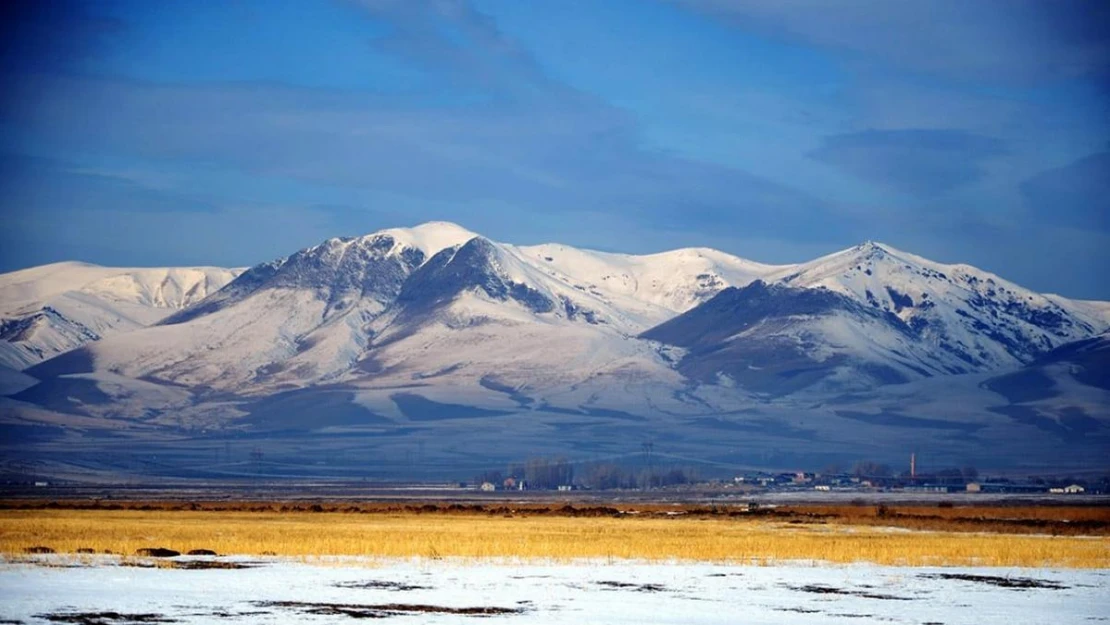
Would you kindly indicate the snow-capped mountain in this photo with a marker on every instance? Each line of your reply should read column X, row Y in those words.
column 649, row 289
column 440, row 301
column 1075, row 376
column 303, row 317
column 867, row 316
column 325, row 313
column 776, row 339
column 435, row 332
column 981, row 320
column 48, row 310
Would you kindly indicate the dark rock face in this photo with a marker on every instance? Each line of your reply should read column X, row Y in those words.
column 346, row 268
column 340, row 271
column 573, row 312
column 22, row 328
column 999, row 314
column 456, row 270
column 901, row 301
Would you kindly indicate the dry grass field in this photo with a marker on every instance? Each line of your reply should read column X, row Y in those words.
column 565, row 533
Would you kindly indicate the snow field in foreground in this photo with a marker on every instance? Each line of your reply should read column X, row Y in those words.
column 98, row 590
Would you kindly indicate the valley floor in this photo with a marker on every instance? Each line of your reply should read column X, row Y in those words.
column 110, row 590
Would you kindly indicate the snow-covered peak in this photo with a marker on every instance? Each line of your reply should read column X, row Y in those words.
column 43, row 282
column 982, row 319
column 157, row 287
column 430, row 238
column 863, row 257
column 871, row 270
column 655, row 286
column 51, row 309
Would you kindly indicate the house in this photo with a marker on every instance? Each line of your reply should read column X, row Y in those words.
column 487, row 487
column 926, row 488
column 822, row 487
column 1073, row 489
column 974, row 487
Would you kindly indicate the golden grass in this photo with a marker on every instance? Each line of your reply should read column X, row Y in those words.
column 559, row 538
column 1072, row 520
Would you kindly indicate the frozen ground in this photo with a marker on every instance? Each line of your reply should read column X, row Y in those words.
column 99, row 590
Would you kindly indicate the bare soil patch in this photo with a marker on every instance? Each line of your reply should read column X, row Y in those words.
column 832, row 590
column 376, row 584
column 610, row 585
column 157, row 552
column 385, row 610
column 104, row 618
column 1017, row 583
column 192, row 565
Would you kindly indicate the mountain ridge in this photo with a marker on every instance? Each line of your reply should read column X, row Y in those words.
column 48, row 310
column 441, row 335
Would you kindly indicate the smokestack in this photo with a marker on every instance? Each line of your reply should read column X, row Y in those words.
column 913, row 465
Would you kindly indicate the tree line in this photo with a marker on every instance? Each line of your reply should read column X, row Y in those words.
column 551, row 473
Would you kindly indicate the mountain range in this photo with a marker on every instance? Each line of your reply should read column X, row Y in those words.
column 436, row 351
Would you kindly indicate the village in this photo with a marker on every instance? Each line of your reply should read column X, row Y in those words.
column 865, row 477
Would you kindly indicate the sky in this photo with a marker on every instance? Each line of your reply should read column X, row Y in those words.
column 178, row 132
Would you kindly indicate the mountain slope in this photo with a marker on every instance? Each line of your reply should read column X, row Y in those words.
column 970, row 319
column 478, row 316
column 257, row 330
column 481, row 352
column 325, row 313
column 48, row 310
column 650, row 288
column 868, row 316
column 777, row 339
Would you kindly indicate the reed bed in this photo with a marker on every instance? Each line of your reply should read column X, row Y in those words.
column 391, row 535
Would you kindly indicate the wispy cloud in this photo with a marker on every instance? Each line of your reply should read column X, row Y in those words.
column 1014, row 41
column 497, row 129
column 44, row 185
column 772, row 129
column 1077, row 194
column 919, row 163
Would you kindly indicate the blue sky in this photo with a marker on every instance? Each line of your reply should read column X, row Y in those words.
column 184, row 132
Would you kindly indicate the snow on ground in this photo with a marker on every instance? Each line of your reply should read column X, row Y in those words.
column 439, row 591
